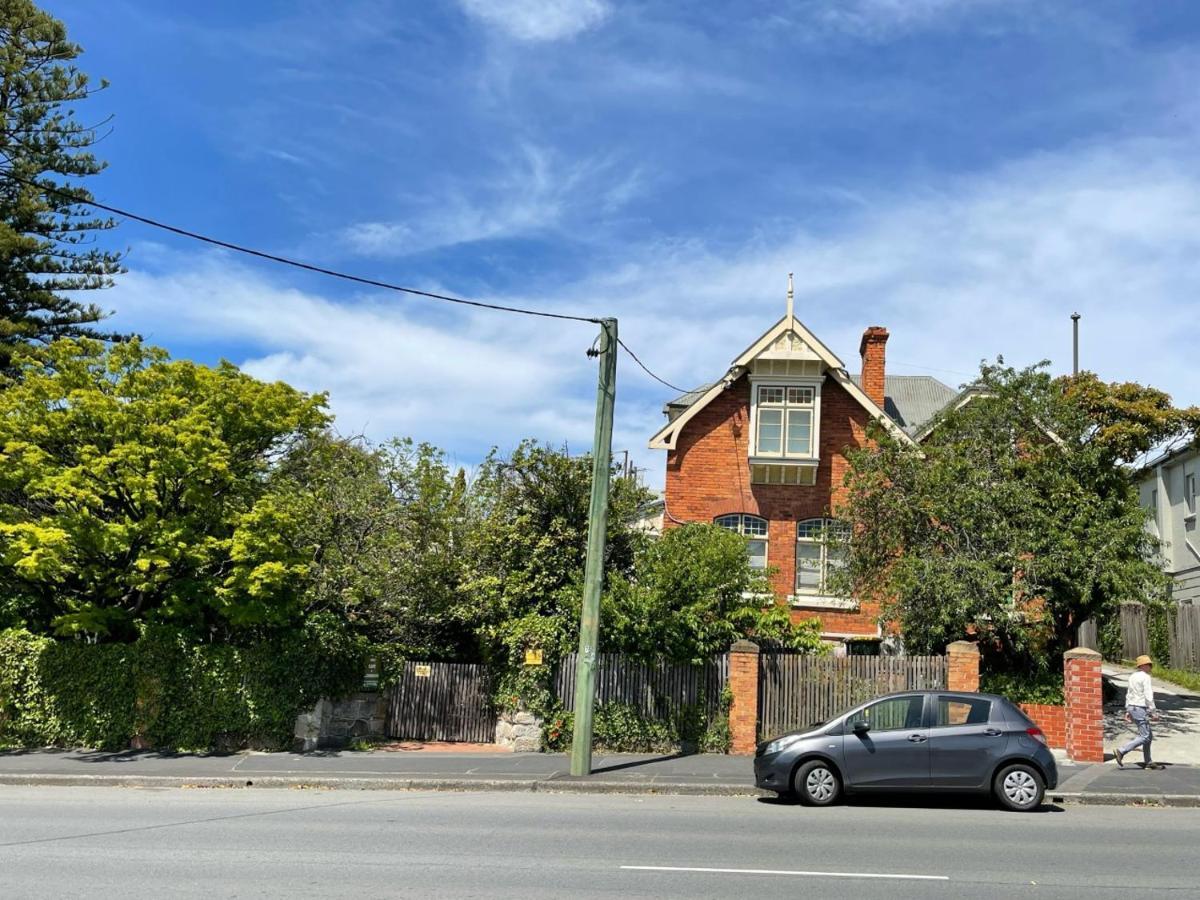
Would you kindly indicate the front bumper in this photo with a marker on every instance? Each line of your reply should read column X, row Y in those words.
column 771, row 774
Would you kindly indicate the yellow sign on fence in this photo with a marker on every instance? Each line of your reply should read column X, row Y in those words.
column 423, row 671
column 533, row 657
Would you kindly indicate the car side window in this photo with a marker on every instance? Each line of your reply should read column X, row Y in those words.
column 893, row 714
column 962, row 711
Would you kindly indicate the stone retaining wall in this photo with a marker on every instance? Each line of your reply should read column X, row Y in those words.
column 335, row 723
column 522, row 731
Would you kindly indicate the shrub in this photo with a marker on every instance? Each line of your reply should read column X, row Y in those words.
column 168, row 693
column 1041, row 687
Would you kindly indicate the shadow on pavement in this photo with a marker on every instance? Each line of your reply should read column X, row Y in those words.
column 914, row 801
column 640, row 762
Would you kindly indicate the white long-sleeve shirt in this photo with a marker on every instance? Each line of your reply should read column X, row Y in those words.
column 1140, row 691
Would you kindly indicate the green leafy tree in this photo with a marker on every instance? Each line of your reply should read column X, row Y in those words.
column 134, row 488
column 384, row 528
column 691, row 594
column 1015, row 520
column 47, row 240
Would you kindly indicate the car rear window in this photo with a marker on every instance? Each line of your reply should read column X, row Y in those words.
column 962, row 711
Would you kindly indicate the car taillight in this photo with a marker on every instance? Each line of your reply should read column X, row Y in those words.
column 1037, row 735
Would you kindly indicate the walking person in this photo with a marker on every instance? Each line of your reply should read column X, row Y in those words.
column 1140, row 709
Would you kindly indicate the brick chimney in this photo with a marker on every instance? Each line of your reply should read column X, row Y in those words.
column 874, row 340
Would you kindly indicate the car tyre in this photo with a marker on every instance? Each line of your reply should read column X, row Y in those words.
column 816, row 783
column 1020, row 788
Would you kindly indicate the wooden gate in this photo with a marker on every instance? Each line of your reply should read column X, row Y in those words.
column 799, row 690
column 441, row 702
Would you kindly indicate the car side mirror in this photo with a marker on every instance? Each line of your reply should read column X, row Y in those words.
column 861, row 726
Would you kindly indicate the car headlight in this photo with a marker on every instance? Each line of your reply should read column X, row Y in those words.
column 780, row 744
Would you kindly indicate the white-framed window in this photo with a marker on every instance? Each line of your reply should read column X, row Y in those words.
column 785, row 421
column 1154, row 505
column 1189, row 492
column 819, row 553
column 754, row 529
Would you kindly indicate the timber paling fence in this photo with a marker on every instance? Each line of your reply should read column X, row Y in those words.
column 659, row 690
column 441, row 702
column 1183, row 634
column 798, row 690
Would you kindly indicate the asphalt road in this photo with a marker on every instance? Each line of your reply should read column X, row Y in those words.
column 109, row 842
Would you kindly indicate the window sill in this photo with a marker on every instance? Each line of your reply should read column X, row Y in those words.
column 816, row 601
column 811, row 462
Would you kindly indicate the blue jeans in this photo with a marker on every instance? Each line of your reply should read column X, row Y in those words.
column 1141, row 718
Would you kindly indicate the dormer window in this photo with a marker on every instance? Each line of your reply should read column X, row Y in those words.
column 785, row 418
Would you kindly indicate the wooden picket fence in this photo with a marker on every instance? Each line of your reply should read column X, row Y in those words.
column 1088, row 635
column 799, row 690
column 657, row 690
column 441, row 702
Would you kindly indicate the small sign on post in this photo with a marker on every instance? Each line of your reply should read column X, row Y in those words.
column 422, row 670
column 533, row 657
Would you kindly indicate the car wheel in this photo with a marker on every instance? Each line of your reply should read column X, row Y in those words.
column 1020, row 788
column 816, row 783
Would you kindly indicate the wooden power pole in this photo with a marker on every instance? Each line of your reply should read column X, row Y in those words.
column 593, row 574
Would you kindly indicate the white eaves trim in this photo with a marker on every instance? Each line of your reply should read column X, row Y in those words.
column 666, row 437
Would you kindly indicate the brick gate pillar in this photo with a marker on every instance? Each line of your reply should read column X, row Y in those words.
column 962, row 666
column 1085, row 705
column 743, row 684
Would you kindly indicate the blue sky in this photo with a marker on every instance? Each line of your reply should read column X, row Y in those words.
column 964, row 172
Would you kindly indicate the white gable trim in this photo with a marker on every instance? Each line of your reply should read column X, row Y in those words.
column 668, row 435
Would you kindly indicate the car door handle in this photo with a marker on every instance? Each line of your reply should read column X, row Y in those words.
column 917, row 738
column 994, row 732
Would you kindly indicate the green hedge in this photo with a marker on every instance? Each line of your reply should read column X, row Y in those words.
column 1026, row 687
column 167, row 693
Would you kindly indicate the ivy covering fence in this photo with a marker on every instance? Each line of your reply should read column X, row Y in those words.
column 164, row 692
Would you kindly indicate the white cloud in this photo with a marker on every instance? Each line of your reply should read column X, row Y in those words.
column 876, row 19
column 538, row 20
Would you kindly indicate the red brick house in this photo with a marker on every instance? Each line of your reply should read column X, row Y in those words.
column 762, row 451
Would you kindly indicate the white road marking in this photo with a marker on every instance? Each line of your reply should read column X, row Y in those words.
column 789, row 872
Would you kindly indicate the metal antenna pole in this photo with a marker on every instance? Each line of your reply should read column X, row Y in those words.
column 1075, row 341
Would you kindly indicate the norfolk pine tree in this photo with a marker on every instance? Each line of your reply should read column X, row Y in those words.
column 47, row 241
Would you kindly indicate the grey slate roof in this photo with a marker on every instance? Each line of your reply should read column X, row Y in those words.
column 910, row 400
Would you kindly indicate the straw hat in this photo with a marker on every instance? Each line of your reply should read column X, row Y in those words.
column 1143, row 660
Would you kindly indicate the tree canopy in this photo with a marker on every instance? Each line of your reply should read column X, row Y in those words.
column 1016, row 519
column 134, row 488
column 47, row 239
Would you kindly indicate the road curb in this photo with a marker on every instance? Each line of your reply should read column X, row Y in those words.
column 547, row 786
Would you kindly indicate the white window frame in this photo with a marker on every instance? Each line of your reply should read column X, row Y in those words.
column 782, row 383
column 1189, row 493
column 820, row 596
column 726, row 522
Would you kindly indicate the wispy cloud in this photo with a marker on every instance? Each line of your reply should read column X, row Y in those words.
column 534, row 191
column 538, row 20
column 875, row 19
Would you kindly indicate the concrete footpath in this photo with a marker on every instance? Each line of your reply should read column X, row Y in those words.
column 479, row 770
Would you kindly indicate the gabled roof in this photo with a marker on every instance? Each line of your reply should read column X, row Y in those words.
column 681, row 410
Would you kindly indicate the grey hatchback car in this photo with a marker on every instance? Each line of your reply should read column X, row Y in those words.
column 914, row 741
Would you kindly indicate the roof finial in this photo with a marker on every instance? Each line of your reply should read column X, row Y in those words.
column 791, row 299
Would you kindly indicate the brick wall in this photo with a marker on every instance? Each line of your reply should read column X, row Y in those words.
column 1051, row 718
column 708, row 475
column 743, row 684
column 871, row 349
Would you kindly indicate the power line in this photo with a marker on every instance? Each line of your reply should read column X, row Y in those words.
column 295, row 263
column 332, row 273
column 634, row 357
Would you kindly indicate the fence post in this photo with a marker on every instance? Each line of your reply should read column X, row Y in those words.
column 962, row 666
column 743, row 684
column 1085, row 706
